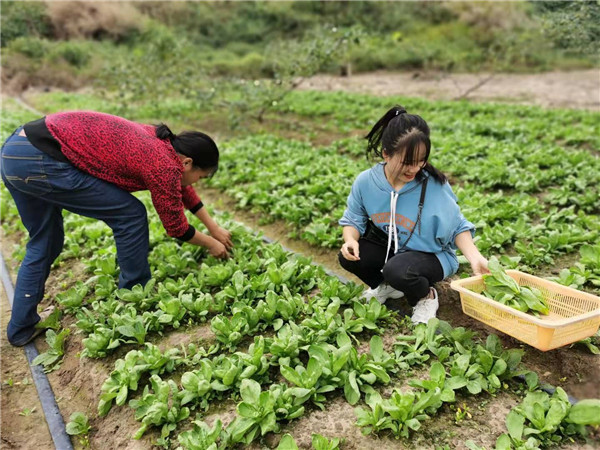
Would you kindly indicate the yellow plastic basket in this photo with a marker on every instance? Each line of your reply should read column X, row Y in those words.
column 574, row 315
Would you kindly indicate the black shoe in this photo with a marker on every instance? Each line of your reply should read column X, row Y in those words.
column 37, row 330
column 36, row 333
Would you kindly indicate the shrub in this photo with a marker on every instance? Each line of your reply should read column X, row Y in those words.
column 30, row 46
column 76, row 53
column 24, row 19
column 251, row 65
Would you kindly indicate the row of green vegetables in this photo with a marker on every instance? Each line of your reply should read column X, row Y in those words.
column 528, row 125
column 462, row 365
column 260, row 289
column 342, row 112
column 528, row 149
column 566, row 176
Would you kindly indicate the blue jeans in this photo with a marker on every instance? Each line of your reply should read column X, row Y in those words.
column 42, row 187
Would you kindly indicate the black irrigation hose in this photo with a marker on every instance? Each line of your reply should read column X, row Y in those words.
column 548, row 389
column 56, row 425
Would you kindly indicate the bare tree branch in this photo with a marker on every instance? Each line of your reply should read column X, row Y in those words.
column 475, row 87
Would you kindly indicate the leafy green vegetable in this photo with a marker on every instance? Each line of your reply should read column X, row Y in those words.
column 504, row 289
column 201, row 436
column 52, row 359
column 78, row 424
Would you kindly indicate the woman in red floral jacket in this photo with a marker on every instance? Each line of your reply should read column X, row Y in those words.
column 88, row 163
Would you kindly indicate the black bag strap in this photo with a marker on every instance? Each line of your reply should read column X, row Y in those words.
column 418, row 221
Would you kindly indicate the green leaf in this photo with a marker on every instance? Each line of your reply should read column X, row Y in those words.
column 231, row 375
column 503, row 442
column 585, row 412
column 78, row 424
column 381, row 373
column 351, row 389
column 291, row 375
column 456, row 383
column 474, row 386
column 437, row 372
column 104, row 406
column 531, row 379
column 52, row 321
column 413, row 424
column 287, row 442
column 245, row 409
column 515, row 423
column 121, row 396
column 313, row 371
column 555, row 415
column 500, row 367
column 376, row 345
column 250, row 391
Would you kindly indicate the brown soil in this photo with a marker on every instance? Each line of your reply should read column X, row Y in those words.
column 575, row 89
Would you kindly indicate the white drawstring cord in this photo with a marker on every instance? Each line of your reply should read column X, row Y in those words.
column 392, row 231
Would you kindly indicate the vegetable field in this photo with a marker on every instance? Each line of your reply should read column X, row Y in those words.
column 268, row 349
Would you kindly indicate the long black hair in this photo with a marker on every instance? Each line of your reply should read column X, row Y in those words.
column 400, row 132
column 193, row 144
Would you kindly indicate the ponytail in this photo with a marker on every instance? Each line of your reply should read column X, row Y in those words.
column 375, row 135
column 164, row 132
column 193, row 144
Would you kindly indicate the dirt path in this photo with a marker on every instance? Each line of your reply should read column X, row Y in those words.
column 577, row 89
column 23, row 423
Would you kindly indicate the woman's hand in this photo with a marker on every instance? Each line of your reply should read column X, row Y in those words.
column 350, row 250
column 217, row 249
column 465, row 244
column 223, row 236
column 479, row 265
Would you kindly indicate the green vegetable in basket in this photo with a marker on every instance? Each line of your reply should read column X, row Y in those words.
column 500, row 287
column 498, row 281
column 534, row 299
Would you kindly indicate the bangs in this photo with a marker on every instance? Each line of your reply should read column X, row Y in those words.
column 416, row 147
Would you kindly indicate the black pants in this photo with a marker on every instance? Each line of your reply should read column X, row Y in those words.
column 410, row 272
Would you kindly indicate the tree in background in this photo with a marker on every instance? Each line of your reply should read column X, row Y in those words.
column 572, row 26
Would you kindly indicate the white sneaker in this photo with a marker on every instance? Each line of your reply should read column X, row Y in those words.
column 425, row 308
column 382, row 293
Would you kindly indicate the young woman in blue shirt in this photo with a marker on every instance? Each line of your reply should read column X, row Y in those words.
column 402, row 224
